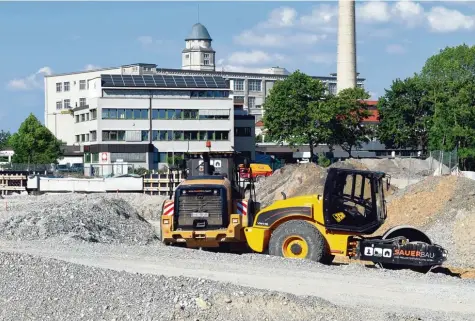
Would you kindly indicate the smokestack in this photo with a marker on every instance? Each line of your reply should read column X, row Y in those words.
column 346, row 52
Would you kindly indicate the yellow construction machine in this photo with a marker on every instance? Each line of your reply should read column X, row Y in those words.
column 210, row 210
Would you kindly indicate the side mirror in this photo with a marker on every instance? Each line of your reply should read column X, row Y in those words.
column 246, row 163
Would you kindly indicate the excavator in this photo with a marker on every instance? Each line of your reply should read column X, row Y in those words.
column 211, row 208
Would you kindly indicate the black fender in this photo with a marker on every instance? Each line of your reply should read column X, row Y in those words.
column 270, row 218
column 411, row 232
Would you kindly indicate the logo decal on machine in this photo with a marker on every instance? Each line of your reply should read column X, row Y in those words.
column 168, row 210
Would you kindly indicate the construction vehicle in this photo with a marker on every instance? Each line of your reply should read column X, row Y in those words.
column 206, row 212
column 209, row 208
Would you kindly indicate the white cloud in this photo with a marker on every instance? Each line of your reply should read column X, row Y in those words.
column 251, row 38
column 91, row 67
column 441, row 19
column 395, row 49
column 253, row 57
column 373, row 11
column 280, row 18
column 32, row 81
column 409, row 12
column 323, row 58
column 145, row 40
column 323, row 17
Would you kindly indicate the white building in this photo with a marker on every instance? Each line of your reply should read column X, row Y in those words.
column 107, row 110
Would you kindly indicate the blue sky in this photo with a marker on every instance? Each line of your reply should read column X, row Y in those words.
column 394, row 38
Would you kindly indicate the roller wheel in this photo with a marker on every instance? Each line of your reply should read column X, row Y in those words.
column 299, row 240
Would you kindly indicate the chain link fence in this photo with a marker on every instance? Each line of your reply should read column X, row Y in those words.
column 444, row 162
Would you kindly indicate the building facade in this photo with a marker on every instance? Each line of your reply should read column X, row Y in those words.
column 128, row 109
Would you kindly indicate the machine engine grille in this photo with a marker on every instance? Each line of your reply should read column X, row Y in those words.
column 200, row 209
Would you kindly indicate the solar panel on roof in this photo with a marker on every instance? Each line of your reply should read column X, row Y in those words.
column 149, row 82
column 159, row 81
column 139, row 82
column 163, row 81
column 180, row 81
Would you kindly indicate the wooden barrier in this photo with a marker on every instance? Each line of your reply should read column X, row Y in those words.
column 161, row 184
column 13, row 182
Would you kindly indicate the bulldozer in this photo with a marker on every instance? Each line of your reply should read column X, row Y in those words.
column 210, row 210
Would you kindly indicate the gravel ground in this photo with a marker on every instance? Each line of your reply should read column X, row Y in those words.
column 40, row 289
column 94, row 218
column 261, row 287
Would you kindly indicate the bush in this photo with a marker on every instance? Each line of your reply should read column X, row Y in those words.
column 323, row 161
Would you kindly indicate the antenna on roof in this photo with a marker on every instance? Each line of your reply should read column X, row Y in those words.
column 198, row 12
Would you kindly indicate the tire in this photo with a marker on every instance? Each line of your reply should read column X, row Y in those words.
column 300, row 240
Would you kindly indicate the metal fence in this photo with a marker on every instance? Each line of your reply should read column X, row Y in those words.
column 444, row 162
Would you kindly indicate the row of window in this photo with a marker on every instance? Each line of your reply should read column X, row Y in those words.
column 65, row 86
column 251, row 101
column 166, row 93
column 66, row 103
column 165, row 135
column 91, row 115
column 177, row 114
column 253, row 84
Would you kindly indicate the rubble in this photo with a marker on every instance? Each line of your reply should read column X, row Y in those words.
column 93, row 218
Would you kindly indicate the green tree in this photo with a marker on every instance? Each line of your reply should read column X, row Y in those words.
column 4, row 138
column 348, row 129
column 293, row 111
column 450, row 79
column 34, row 143
column 405, row 114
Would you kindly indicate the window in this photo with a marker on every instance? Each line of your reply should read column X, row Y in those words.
column 59, row 87
column 332, row 88
column 82, row 84
column 77, row 138
column 82, row 102
column 87, row 116
column 187, row 56
column 206, row 59
column 94, row 114
column 77, row 118
column 144, row 135
column 221, row 135
column 83, row 137
column 93, row 136
column 83, row 117
column 242, row 131
column 238, row 84
column 66, row 86
column 59, row 105
column 251, row 102
column 67, row 103
column 87, row 137
column 113, row 135
column 254, row 85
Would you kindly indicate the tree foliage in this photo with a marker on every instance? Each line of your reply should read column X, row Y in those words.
column 350, row 111
column 34, row 143
column 294, row 111
column 405, row 114
column 434, row 109
column 4, row 138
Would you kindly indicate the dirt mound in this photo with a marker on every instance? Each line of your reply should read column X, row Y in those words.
column 300, row 179
column 92, row 218
column 443, row 207
column 293, row 180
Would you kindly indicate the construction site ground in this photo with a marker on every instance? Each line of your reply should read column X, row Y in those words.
column 98, row 257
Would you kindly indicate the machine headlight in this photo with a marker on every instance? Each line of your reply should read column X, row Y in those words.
column 235, row 221
column 166, row 222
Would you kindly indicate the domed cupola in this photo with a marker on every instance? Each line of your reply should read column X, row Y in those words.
column 198, row 53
